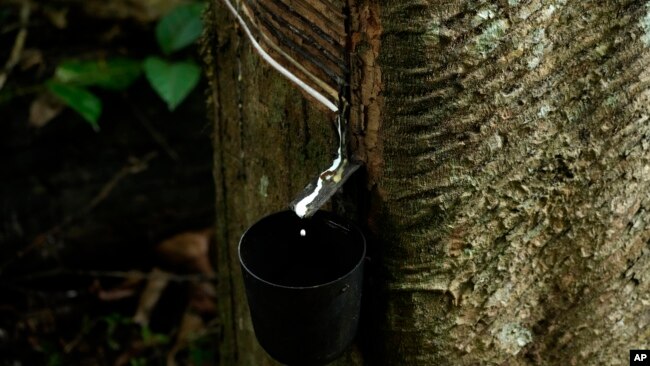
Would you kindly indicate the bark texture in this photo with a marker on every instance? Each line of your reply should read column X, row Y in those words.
column 508, row 157
column 514, row 195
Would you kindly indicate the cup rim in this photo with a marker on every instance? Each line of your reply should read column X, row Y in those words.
column 356, row 266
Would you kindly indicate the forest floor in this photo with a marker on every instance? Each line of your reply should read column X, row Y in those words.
column 105, row 235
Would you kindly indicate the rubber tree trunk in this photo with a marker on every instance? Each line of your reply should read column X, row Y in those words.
column 507, row 149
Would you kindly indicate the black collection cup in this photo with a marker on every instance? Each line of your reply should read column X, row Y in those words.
column 303, row 280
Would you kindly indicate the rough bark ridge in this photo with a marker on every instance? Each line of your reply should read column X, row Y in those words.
column 515, row 212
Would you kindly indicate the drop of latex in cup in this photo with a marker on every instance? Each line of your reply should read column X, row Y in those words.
column 303, row 232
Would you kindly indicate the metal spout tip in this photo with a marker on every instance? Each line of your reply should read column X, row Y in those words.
column 319, row 191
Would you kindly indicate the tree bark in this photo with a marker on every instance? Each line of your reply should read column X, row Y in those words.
column 507, row 147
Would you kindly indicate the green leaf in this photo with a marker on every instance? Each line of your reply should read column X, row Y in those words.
column 81, row 100
column 138, row 361
column 150, row 337
column 180, row 27
column 172, row 81
column 113, row 74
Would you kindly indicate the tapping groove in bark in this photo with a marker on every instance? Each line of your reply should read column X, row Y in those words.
column 508, row 158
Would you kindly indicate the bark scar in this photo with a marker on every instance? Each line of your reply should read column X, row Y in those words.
column 366, row 86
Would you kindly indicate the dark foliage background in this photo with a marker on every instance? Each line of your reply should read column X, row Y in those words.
column 104, row 236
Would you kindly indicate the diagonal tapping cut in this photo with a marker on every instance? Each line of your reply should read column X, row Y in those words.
column 309, row 78
column 305, row 41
